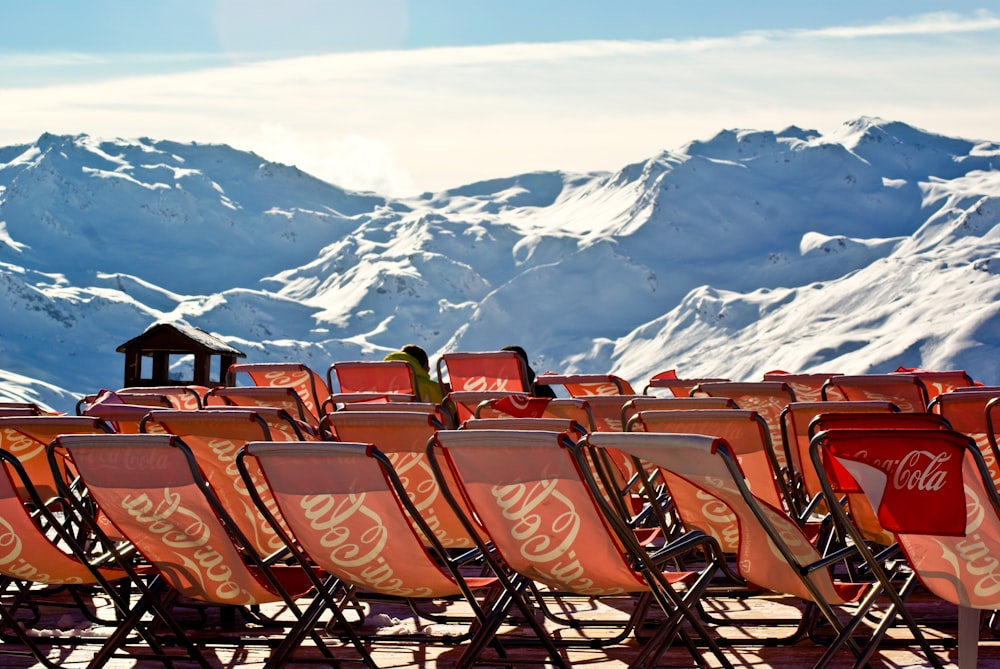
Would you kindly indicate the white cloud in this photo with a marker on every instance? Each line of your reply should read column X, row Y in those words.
column 404, row 121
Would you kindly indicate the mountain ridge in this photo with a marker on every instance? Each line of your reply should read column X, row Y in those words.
column 724, row 257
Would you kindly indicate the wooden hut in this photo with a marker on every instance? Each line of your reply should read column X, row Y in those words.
column 150, row 356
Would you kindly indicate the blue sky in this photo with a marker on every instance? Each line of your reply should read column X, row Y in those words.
column 404, row 96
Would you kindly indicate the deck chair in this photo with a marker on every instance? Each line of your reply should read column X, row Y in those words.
column 750, row 439
column 524, row 406
column 20, row 409
column 585, row 385
column 773, row 552
column 436, row 410
column 795, row 420
column 931, row 488
column 350, row 514
column 309, row 385
column 861, row 512
column 968, row 412
column 402, row 437
column 678, row 387
column 368, row 380
column 546, row 520
column 940, row 381
column 483, row 371
column 767, row 398
column 807, row 387
column 152, row 489
column 214, row 438
column 181, row 397
column 906, row 391
column 40, row 550
column 25, row 437
column 653, row 403
column 277, row 397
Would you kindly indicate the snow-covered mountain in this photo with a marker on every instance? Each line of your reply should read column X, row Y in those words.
column 864, row 250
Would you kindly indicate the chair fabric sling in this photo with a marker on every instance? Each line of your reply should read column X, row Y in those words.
column 214, row 438
column 767, row 398
column 585, row 385
column 152, row 489
column 525, row 406
column 34, row 551
column 678, row 387
column 181, row 397
column 773, row 552
column 307, row 384
column 906, row 391
column 541, row 514
column 940, row 381
column 483, row 371
column 795, row 419
column 932, row 489
column 807, row 387
column 968, row 412
column 748, row 435
column 402, row 437
column 25, row 437
column 350, row 515
column 277, row 397
column 366, row 380
column 863, row 516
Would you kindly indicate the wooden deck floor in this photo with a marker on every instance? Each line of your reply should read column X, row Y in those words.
column 390, row 620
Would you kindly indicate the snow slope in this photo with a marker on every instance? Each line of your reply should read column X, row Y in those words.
column 864, row 250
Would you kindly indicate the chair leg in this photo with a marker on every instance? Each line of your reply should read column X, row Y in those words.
column 968, row 637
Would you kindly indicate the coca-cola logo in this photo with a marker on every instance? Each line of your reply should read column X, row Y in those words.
column 916, row 470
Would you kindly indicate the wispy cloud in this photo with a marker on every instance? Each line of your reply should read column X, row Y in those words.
column 399, row 121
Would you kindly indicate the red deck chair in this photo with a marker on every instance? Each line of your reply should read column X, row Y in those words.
column 152, row 489
column 309, row 385
column 653, row 403
column 774, row 553
column 943, row 381
column 278, row 397
column 25, row 437
column 546, row 520
column 968, row 413
column 767, row 398
column 585, row 385
column 807, row 387
column 350, row 514
column 931, row 488
column 402, row 437
column 214, row 438
column 473, row 377
column 523, row 406
column 38, row 550
column 747, row 434
column 181, row 397
column 371, row 380
column 906, row 391
column 677, row 386
column 862, row 514
column 795, row 420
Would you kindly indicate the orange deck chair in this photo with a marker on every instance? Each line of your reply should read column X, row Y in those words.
column 371, row 381
column 547, row 523
column 309, row 385
column 585, row 385
column 677, row 386
column 152, row 489
column 968, row 413
column 350, row 514
column 932, row 490
column 214, row 438
column 906, row 391
column 475, row 376
column 774, row 553
column 807, row 387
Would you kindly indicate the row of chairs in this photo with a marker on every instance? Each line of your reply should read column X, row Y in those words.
column 337, row 422
column 568, row 478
